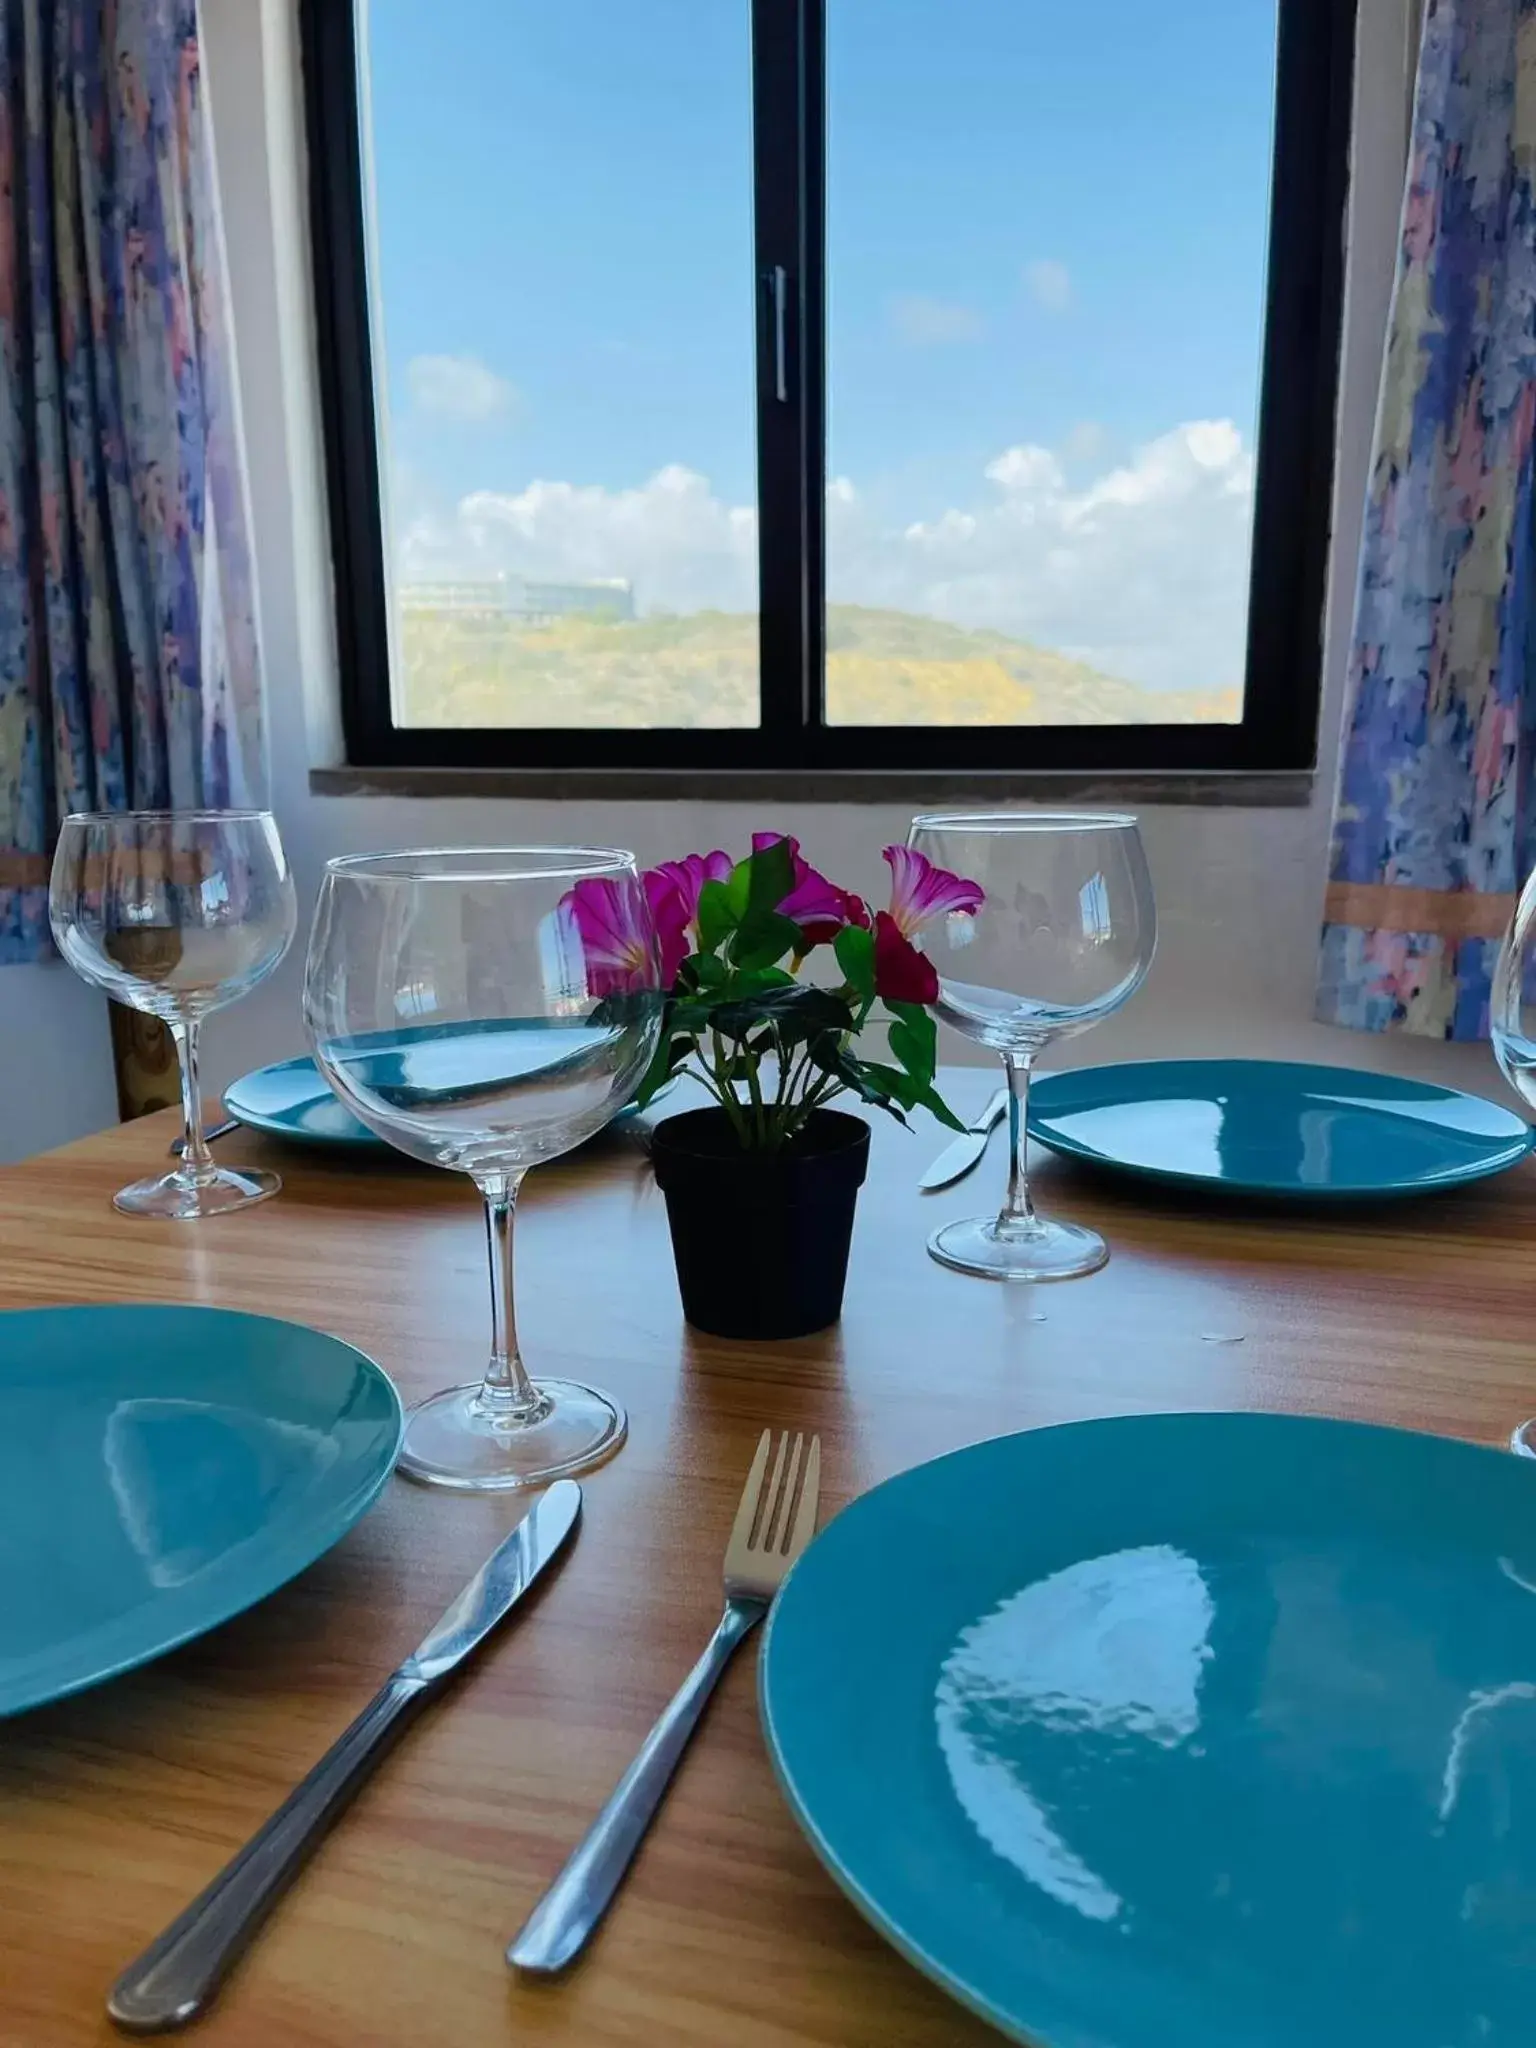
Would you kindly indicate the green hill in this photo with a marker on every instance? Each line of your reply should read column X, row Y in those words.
column 883, row 668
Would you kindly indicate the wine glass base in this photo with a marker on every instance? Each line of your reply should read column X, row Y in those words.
column 1523, row 1440
column 450, row 1439
column 183, row 1200
column 1042, row 1251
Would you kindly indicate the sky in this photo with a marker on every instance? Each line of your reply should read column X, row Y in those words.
column 1045, row 250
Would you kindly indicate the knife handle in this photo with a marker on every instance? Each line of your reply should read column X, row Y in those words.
column 177, row 1975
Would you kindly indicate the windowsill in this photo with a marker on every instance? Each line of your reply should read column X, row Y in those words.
column 1289, row 789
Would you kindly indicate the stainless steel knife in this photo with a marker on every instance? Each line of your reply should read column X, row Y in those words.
column 176, row 1977
column 956, row 1160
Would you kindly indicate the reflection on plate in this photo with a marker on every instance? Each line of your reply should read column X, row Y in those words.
column 161, row 1469
column 290, row 1100
column 1208, row 1731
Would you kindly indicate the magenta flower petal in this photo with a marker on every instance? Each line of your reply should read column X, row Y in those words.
column 674, row 889
column 813, row 900
column 671, row 919
column 920, row 892
column 616, row 936
column 902, row 974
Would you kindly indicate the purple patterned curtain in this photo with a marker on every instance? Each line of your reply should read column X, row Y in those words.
column 1432, row 833
column 129, row 666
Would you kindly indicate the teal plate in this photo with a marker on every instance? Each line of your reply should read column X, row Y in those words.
column 1263, row 1127
column 162, row 1469
column 292, row 1100
column 1200, row 1731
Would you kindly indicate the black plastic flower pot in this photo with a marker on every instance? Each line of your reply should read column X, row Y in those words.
column 760, row 1238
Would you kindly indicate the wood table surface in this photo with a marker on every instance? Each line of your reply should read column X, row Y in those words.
column 118, row 1805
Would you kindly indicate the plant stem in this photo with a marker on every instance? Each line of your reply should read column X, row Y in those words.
column 754, row 1089
column 730, row 1101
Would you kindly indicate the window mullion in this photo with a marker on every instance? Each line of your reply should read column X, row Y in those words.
column 785, row 293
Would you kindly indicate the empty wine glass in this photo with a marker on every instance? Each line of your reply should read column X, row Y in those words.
column 487, row 1009
column 176, row 913
column 1064, row 935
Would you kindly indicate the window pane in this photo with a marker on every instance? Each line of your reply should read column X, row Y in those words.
column 1046, row 252
column 562, row 277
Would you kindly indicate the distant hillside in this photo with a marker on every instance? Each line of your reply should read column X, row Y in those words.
column 883, row 668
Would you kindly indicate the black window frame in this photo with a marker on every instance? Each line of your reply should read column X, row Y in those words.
column 1294, row 457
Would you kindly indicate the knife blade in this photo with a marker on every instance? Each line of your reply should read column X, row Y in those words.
column 178, row 1975
column 956, row 1160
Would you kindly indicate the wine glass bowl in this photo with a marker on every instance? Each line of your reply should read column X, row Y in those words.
column 1063, row 936
column 176, row 913
column 458, row 1007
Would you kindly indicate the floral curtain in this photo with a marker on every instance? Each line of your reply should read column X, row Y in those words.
column 1433, row 829
column 129, row 666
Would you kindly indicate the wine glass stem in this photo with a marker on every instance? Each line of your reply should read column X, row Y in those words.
column 507, row 1393
column 1018, row 1214
column 196, row 1160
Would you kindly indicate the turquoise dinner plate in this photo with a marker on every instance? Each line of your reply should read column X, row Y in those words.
column 161, row 1469
column 291, row 1100
column 1265, row 1127
column 1183, row 1731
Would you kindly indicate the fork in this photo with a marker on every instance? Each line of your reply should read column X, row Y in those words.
column 771, row 1529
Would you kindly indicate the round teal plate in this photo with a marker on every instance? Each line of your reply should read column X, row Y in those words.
column 292, row 1100
column 161, row 1469
column 1263, row 1127
column 1200, row 1731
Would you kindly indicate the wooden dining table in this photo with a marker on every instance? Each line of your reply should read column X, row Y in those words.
column 117, row 1805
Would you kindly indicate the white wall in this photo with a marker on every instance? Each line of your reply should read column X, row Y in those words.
column 1239, row 891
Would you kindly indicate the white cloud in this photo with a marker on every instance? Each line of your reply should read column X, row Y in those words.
column 1141, row 572
column 683, row 549
column 1050, row 283
column 458, row 388
column 931, row 323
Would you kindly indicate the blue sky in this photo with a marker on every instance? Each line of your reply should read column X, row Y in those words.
column 1045, row 230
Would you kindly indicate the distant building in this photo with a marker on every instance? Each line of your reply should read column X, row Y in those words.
column 531, row 604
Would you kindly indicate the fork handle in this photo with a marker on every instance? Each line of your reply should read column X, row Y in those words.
column 560, row 1925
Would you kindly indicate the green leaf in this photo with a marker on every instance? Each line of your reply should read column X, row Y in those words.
column 718, row 914
column 907, row 1091
column 914, row 1039
column 669, row 1055
column 936, row 1106
column 855, row 950
column 764, row 939
column 770, row 878
column 795, row 1012
column 859, row 1077
column 709, row 971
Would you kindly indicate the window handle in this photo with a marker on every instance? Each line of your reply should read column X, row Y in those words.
column 777, row 281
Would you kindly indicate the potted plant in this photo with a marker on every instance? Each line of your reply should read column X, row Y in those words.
column 774, row 973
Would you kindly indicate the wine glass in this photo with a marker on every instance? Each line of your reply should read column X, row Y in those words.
column 1064, row 935
column 176, row 913
column 487, row 1009
column 1512, row 1027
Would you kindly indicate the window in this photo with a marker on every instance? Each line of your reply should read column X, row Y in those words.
column 799, row 384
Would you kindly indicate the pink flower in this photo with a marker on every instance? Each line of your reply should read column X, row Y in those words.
column 902, row 974
column 617, row 940
column 920, row 892
column 673, row 890
column 670, row 920
column 815, row 904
